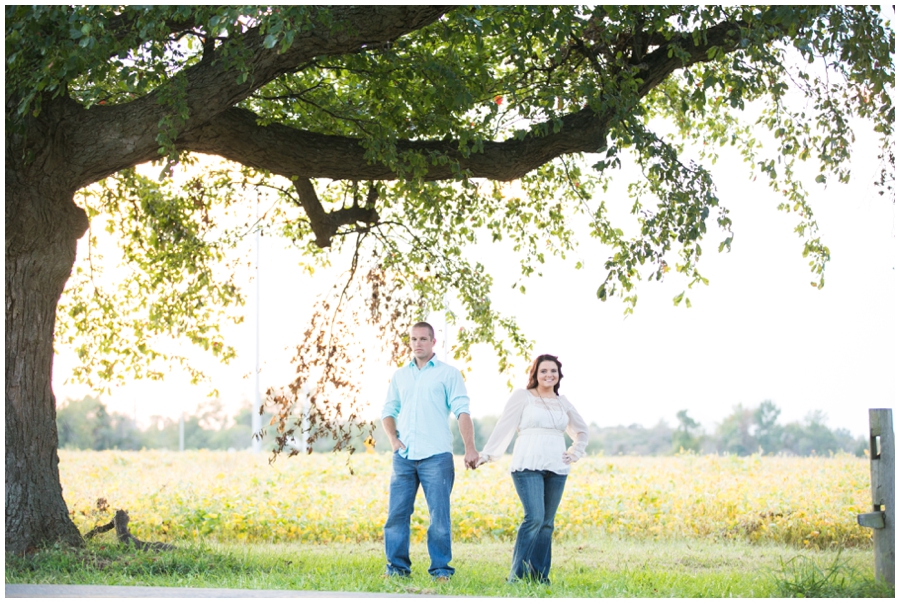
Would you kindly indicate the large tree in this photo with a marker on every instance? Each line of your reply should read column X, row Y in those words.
column 389, row 127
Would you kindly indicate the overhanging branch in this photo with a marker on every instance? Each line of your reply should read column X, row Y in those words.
column 112, row 138
column 325, row 224
column 237, row 136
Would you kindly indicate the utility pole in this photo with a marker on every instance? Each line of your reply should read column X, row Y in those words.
column 256, row 419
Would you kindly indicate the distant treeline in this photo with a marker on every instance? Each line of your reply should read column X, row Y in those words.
column 746, row 431
column 88, row 425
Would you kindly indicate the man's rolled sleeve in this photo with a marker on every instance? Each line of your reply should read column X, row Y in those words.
column 391, row 406
column 457, row 394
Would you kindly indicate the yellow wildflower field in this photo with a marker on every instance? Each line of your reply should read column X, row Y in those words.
column 238, row 496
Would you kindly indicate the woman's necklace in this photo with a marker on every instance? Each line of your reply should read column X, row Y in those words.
column 546, row 407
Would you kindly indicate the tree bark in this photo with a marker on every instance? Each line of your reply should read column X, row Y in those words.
column 43, row 225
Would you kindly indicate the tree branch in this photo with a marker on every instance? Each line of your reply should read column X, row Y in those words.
column 287, row 151
column 104, row 140
column 121, row 25
column 236, row 135
column 325, row 224
column 214, row 126
column 659, row 64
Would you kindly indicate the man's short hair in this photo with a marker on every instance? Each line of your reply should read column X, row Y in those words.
column 423, row 325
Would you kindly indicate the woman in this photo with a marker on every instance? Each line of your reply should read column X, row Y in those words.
column 540, row 462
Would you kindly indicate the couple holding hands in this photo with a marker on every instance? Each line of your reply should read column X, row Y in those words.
column 420, row 397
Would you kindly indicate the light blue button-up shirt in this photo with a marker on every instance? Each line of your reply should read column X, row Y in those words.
column 421, row 400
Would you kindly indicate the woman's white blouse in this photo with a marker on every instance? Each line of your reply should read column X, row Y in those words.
column 541, row 424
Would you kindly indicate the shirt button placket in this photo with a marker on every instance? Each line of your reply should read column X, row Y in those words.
column 414, row 422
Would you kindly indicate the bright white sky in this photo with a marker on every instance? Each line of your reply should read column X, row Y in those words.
column 759, row 331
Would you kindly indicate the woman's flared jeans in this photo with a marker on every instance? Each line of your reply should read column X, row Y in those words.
column 540, row 492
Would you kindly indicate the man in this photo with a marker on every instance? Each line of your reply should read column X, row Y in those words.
column 419, row 399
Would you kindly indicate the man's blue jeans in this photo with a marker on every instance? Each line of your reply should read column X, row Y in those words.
column 436, row 474
column 540, row 492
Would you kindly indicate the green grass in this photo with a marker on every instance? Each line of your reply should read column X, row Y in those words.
column 803, row 577
column 597, row 568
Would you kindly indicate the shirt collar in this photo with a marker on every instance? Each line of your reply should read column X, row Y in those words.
column 432, row 361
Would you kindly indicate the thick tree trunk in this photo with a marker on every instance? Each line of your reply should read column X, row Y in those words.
column 43, row 226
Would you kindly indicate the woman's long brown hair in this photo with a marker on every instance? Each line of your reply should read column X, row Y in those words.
column 532, row 373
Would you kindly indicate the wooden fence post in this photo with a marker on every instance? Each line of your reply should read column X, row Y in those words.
column 881, row 455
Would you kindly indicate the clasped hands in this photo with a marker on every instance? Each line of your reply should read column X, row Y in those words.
column 473, row 459
column 479, row 460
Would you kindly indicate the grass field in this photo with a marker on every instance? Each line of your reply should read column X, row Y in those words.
column 685, row 526
column 809, row 503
